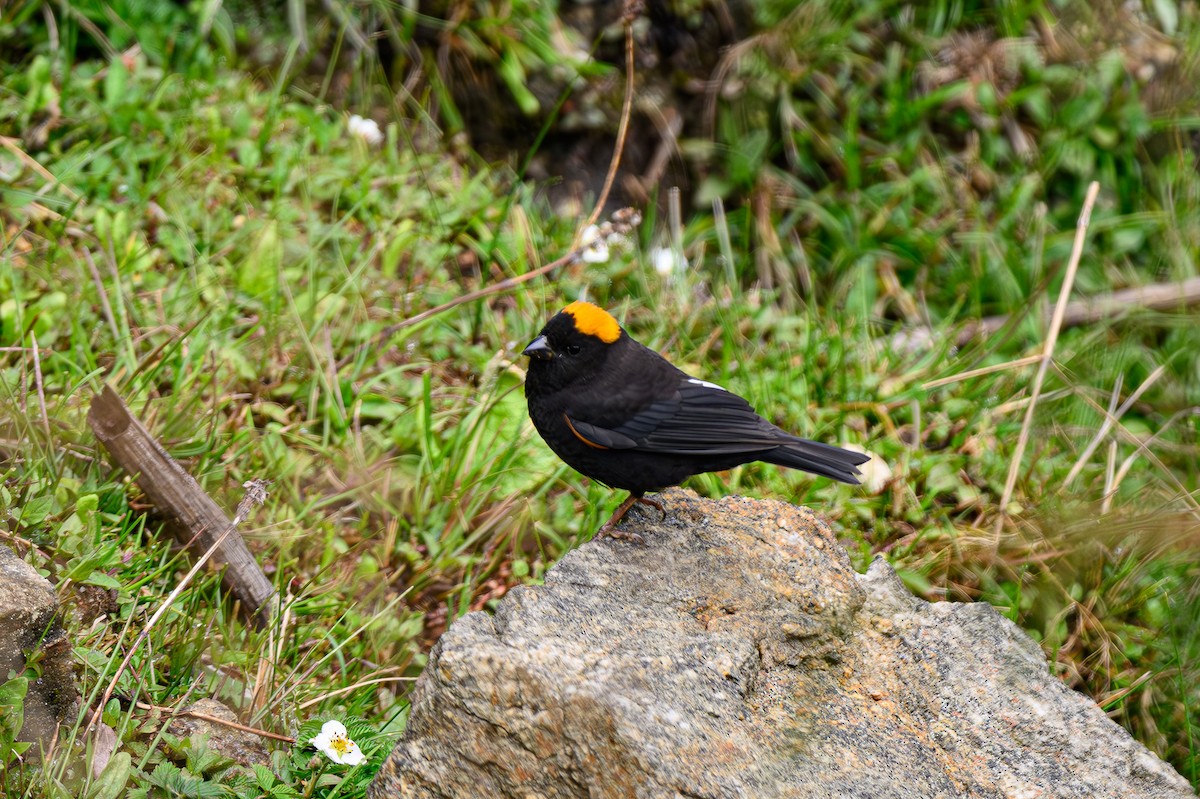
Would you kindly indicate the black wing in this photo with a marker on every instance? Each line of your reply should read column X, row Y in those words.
column 698, row 419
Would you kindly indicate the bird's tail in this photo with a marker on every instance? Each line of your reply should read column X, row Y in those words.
column 823, row 459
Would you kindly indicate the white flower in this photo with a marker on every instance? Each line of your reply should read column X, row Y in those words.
column 596, row 252
column 666, row 260
column 592, row 245
column 365, row 129
column 595, row 240
column 335, row 743
column 589, row 236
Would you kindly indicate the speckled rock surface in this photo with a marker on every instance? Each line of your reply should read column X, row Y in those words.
column 738, row 654
column 29, row 622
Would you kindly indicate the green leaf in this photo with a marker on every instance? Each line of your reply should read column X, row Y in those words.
column 12, row 696
column 102, row 580
column 1168, row 14
column 113, row 779
column 863, row 290
column 329, row 780
column 513, row 75
column 36, row 510
column 116, row 80
column 12, row 717
column 259, row 271
column 263, row 776
column 87, row 503
column 942, row 479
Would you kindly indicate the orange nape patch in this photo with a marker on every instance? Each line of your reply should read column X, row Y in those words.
column 592, row 320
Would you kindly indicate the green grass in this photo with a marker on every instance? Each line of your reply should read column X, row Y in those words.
column 246, row 256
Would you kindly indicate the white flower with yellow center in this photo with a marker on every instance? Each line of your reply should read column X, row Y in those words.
column 336, row 743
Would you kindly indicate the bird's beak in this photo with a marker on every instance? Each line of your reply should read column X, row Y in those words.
column 539, row 348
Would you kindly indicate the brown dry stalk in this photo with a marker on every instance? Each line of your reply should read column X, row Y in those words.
column 622, row 129
column 1110, row 418
column 233, row 725
column 40, row 385
column 1152, row 297
column 13, row 146
column 105, row 305
column 347, row 689
column 984, row 370
column 1060, row 308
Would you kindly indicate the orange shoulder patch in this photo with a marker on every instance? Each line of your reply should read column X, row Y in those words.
column 579, row 435
column 593, row 320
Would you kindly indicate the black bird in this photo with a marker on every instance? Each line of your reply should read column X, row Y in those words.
column 623, row 415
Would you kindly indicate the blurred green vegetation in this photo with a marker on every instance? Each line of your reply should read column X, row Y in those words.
column 186, row 215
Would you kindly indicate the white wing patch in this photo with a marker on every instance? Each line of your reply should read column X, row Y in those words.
column 705, row 383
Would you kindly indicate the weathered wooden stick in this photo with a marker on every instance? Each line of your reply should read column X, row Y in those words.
column 179, row 497
column 1156, row 297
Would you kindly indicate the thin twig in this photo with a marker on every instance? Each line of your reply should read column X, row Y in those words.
column 1060, row 308
column 512, row 282
column 265, row 677
column 16, row 539
column 1152, row 297
column 623, row 125
column 1126, row 464
column 293, row 682
column 215, row 720
column 670, row 124
column 1023, row 402
column 331, row 368
column 477, row 294
column 1118, row 695
column 52, row 39
column 145, row 633
column 1110, row 477
column 358, row 39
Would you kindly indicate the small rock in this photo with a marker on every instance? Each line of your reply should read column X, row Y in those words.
column 243, row 748
column 29, row 621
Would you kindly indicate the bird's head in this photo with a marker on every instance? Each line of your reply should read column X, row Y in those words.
column 573, row 344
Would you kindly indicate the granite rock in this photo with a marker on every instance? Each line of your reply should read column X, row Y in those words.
column 738, row 654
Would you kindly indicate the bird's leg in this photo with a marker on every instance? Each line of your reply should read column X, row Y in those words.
column 609, row 528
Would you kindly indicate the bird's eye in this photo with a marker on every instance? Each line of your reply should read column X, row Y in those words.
column 573, row 349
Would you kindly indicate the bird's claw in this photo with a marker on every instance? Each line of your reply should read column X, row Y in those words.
column 611, row 531
column 609, row 528
column 656, row 505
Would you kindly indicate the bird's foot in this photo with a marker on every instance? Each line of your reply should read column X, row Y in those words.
column 611, row 531
column 609, row 528
column 656, row 505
